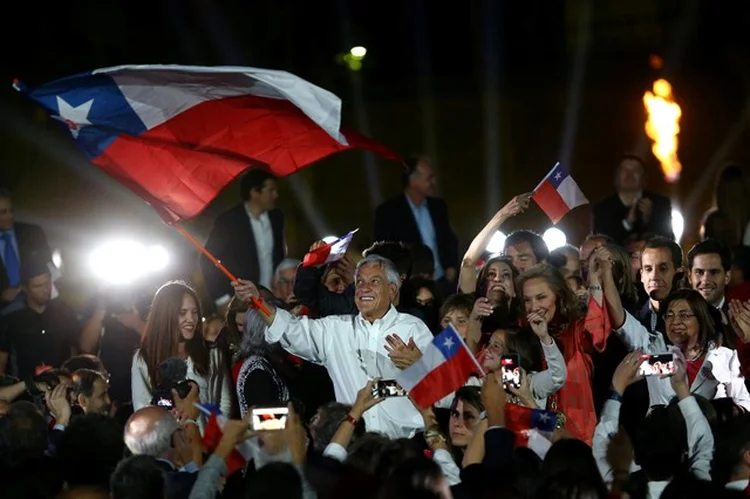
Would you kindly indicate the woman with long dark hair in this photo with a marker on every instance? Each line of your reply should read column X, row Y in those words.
column 174, row 330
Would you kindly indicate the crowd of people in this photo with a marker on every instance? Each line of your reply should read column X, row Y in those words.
column 636, row 349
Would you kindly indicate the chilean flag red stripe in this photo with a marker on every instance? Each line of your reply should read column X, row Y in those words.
column 445, row 366
column 177, row 135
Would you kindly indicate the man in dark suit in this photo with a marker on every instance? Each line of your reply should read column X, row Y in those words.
column 18, row 241
column 632, row 210
column 415, row 217
column 248, row 238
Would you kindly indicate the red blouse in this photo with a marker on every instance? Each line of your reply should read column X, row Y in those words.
column 577, row 342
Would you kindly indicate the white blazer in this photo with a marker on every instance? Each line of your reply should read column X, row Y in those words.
column 719, row 377
column 210, row 392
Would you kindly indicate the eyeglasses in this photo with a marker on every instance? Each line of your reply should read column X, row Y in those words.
column 682, row 316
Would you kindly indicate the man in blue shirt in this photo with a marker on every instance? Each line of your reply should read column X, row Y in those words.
column 416, row 217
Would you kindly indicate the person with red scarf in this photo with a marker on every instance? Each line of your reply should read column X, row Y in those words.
column 548, row 300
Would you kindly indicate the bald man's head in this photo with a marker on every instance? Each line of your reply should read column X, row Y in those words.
column 149, row 431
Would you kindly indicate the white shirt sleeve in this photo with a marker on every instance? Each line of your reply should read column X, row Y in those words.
column 448, row 466
column 300, row 336
column 635, row 336
column 548, row 382
column 735, row 387
column 336, row 451
column 699, row 437
column 608, row 425
column 421, row 334
column 139, row 382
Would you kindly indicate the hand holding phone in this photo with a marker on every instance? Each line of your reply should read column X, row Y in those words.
column 269, row 418
column 510, row 366
column 387, row 388
column 659, row 364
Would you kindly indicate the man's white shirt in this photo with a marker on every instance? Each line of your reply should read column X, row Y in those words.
column 353, row 351
column 263, row 235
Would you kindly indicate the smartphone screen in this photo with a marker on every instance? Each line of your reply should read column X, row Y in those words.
column 511, row 368
column 270, row 418
column 165, row 402
column 660, row 364
column 388, row 388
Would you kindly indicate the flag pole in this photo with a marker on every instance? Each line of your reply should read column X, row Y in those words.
column 256, row 302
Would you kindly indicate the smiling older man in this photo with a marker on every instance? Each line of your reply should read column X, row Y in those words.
column 356, row 349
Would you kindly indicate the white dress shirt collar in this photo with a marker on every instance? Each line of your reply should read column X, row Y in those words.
column 389, row 318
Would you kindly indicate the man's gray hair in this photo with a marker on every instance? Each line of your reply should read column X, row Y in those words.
column 286, row 264
column 387, row 265
column 157, row 440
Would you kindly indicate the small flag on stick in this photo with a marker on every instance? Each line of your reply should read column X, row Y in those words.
column 558, row 193
column 329, row 252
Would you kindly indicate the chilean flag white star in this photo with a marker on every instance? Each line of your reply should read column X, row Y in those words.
column 74, row 117
column 448, row 343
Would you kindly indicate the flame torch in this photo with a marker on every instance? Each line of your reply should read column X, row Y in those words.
column 663, row 126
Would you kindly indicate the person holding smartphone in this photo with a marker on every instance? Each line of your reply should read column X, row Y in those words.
column 713, row 370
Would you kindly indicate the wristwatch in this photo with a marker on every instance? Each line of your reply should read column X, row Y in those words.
column 434, row 437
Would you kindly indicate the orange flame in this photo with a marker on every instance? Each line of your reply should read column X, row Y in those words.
column 663, row 126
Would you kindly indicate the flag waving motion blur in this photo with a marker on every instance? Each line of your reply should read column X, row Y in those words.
column 177, row 135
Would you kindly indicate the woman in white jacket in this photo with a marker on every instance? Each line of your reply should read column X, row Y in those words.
column 713, row 370
column 174, row 329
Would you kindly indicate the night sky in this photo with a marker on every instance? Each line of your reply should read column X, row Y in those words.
column 495, row 92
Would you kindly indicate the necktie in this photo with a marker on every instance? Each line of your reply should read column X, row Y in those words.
column 12, row 265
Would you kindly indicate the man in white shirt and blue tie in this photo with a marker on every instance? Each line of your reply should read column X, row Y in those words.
column 353, row 348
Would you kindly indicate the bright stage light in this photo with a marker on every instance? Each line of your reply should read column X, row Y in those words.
column 359, row 52
column 554, row 238
column 678, row 225
column 57, row 258
column 157, row 258
column 497, row 243
column 123, row 262
column 330, row 239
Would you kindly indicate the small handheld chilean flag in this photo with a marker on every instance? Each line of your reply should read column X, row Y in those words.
column 558, row 193
column 330, row 252
column 532, row 427
column 212, row 434
column 444, row 367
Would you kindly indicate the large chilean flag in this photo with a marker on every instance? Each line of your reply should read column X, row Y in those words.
column 177, row 135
